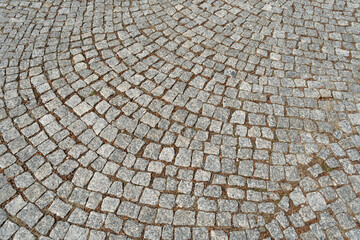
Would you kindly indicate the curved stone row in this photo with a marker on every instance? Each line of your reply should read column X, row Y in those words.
column 179, row 119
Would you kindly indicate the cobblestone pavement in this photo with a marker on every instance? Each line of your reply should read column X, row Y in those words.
column 179, row 119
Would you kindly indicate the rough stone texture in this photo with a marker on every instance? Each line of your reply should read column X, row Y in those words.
column 179, row 119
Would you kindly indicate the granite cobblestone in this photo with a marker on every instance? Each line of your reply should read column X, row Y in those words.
column 159, row 119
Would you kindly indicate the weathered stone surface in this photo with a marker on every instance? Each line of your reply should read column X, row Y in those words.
column 179, row 119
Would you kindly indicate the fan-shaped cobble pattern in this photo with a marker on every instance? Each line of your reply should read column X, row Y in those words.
column 157, row 119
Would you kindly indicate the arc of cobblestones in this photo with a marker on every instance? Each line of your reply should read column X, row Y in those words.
column 158, row 119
